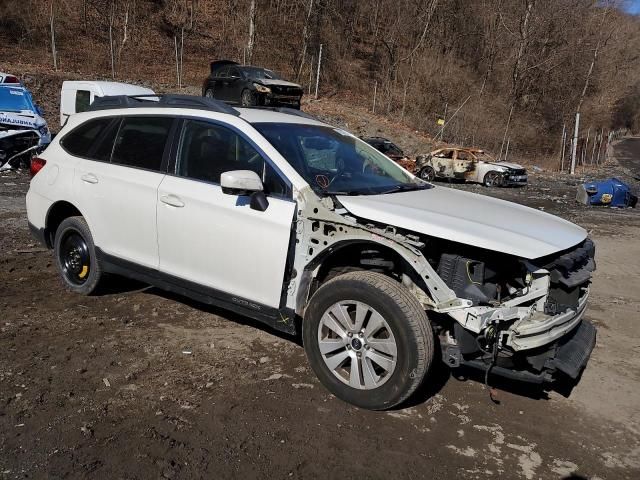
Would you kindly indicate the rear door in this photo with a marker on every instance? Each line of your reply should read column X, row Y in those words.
column 215, row 239
column 118, row 187
column 220, row 90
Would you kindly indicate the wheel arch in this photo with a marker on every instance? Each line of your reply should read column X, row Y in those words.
column 355, row 255
column 56, row 214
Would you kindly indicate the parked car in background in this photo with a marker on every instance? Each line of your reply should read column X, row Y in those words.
column 391, row 150
column 301, row 225
column 248, row 86
column 469, row 164
column 8, row 78
column 77, row 95
column 23, row 130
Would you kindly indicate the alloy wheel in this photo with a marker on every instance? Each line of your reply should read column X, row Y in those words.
column 357, row 345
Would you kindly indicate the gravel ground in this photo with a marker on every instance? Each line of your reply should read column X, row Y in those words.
column 138, row 383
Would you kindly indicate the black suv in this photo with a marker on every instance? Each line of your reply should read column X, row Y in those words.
column 250, row 86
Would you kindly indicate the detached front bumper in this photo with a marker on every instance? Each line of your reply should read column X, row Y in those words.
column 567, row 356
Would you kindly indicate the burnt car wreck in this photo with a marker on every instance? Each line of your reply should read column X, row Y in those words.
column 471, row 165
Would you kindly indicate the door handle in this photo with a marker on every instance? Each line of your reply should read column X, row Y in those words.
column 172, row 200
column 89, row 178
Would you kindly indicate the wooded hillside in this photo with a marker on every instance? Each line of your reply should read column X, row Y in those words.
column 525, row 64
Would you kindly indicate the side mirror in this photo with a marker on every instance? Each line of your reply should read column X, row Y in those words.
column 240, row 182
column 245, row 182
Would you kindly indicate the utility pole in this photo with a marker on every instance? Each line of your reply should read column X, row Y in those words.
column 563, row 145
column 318, row 73
column 574, row 147
column 375, row 92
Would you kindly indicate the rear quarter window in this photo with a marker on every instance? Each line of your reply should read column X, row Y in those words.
column 81, row 140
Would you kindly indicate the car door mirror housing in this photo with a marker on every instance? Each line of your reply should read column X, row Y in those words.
column 240, row 182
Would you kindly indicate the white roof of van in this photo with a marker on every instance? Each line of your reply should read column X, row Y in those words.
column 110, row 88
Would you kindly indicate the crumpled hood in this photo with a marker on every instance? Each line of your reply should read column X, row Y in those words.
column 281, row 83
column 471, row 219
column 24, row 119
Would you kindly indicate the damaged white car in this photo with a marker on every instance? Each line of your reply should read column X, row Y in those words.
column 23, row 130
column 283, row 218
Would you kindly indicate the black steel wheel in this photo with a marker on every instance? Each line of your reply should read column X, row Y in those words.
column 75, row 256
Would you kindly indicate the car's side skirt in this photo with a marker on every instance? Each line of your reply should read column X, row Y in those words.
column 282, row 319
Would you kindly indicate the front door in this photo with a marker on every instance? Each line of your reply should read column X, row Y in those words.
column 215, row 239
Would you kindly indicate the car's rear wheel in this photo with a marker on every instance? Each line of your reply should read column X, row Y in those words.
column 427, row 173
column 492, row 179
column 209, row 93
column 367, row 339
column 247, row 99
column 75, row 256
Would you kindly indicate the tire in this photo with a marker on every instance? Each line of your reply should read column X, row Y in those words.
column 209, row 93
column 427, row 173
column 75, row 256
column 247, row 98
column 346, row 363
column 492, row 179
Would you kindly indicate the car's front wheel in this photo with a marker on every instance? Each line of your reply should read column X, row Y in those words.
column 492, row 179
column 367, row 339
column 75, row 256
column 427, row 173
column 247, row 99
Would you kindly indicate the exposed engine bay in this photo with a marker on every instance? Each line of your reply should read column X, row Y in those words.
column 516, row 317
column 17, row 146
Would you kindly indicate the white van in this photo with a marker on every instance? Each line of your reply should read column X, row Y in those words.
column 76, row 96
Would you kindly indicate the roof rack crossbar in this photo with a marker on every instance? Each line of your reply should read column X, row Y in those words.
column 160, row 100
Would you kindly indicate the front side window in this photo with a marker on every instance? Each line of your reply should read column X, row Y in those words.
column 207, row 150
column 83, row 100
column 141, row 141
column 81, row 140
column 335, row 162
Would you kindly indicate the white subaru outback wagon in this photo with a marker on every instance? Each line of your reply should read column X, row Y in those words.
column 283, row 218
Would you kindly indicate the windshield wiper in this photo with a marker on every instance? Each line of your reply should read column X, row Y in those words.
column 405, row 188
column 343, row 193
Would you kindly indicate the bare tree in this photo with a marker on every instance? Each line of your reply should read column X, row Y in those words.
column 252, row 30
column 54, row 51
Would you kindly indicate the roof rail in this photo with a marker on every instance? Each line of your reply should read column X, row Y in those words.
column 160, row 100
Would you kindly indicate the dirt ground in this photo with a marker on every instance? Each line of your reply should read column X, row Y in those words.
column 137, row 383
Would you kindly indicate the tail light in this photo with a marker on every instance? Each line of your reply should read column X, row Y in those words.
column 36, row 165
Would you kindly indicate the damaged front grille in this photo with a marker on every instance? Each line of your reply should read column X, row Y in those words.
column 570, row 272
column 15, row 146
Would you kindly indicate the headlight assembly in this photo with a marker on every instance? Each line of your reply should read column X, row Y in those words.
column 262, row 88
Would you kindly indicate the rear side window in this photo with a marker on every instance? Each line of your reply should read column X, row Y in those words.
column 140, row 142
column 83, row 100
column 81, row 140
